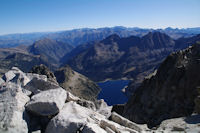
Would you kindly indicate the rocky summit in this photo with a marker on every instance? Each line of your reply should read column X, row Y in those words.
column 172, row 91
column 30, row 103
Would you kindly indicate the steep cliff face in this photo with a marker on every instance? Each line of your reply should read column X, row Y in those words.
column 172, row 92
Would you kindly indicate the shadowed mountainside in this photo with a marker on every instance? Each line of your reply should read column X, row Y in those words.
column 76, row 83
column 132, row 57
column 50, row 50
column 171, row 92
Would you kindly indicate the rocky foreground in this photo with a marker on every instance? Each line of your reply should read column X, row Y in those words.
column 30, row 103
column 167, row 101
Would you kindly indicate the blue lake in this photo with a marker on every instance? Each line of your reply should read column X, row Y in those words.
column 112, row 91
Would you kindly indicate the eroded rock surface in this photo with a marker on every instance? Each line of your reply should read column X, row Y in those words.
column 47, row 103
column 12, row 111
column 51, row 109
column 172, row 92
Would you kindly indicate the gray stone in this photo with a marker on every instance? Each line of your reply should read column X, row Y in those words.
column 1, row 81
column 12, row 115
column 103, row 108
column 87, row 104
column 124, row 122
column 37, row 85
column 115, row 127
column 93, row 128
column 188, row 124
column 20, row 79
column 44, row 70
column 8, row 76
column 47, row 103
column 16, row 76
column 38, row 123
column 70, row 119
column 108, row 130
column 37, row 76
column 71, row 97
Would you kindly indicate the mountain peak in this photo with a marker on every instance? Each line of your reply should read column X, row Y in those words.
column 157, row 40
column 112, row 38
column 156, row 33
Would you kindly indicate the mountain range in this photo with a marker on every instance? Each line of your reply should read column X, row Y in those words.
column 50, row 50
column 167, row 101
column 114, row 57
column 131, row 57
column 163, row 92
column 80, row 36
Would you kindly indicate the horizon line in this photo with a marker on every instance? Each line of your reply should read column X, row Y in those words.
column 95, row 28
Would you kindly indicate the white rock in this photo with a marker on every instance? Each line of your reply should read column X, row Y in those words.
column 36, row 131
column 12, row 101
column 71, row 118
column 188, row 124
column 1, row 81
column 16, row 76
column 47, row 102
column 8, row 76
column 20, row 79
column 115, row 127
column 108, row 130
column 15, row 68
column 124, row 122
column 71, row 97
column 103, row 108
column 86, row 103
column 37, row 76
column 92, row 128
column 82, row 102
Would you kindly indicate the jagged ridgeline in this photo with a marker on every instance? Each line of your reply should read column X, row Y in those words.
column 130, row 57
column 173, row 91
column 114, row 57
column 60, row 98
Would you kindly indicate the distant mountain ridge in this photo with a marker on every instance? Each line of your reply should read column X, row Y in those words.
column 131, row 57
column 50, row 50
column 114, row 57
column 80, row 36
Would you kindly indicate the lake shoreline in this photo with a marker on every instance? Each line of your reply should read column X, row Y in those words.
column 112, row 91
column 110, row 79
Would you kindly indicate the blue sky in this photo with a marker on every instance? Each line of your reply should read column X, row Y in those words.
column 20, row 16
